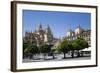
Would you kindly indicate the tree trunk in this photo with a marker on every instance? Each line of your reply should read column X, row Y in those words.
column 33, row 56
column 44, row 56
column 78, row 53
column 64, row 55
column 30, row 56
column 53, row 56
column 72, row 54
column 82, row 54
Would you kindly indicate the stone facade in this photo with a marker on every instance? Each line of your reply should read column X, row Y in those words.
column 45, row 36
column 39, row 36
column 79, row 33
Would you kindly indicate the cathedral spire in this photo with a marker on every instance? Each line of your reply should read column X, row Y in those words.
column 79, row 26
column 40, row 26
column 48, row 27
column 48, row 30
column 30, row 28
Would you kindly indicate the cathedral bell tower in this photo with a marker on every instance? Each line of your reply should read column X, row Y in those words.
column 48, row 35
column 70, row 33
column 78, row 30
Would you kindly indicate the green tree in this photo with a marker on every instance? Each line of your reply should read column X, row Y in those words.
column 75, row 45
column 81, row 44
column 32, row 50
column 25, row 46
column 45, row 49
column 53, row 51
column 63, row 47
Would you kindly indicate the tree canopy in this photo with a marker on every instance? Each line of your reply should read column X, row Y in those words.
column 33, row 49
column 45, row 48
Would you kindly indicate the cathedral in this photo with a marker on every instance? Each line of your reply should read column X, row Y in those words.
column 45, row 36
column 39, row 36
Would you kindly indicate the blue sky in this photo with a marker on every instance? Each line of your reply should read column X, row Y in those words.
column 59, row 22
